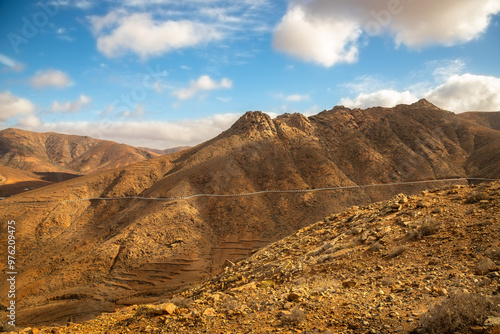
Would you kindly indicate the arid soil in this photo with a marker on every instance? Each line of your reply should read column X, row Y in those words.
column 370, row 269
column 80, row 258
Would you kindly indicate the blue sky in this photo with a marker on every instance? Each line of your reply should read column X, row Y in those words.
column 163, row 73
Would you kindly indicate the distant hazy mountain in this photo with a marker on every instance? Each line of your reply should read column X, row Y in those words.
column 54, row 152
column 166, row 151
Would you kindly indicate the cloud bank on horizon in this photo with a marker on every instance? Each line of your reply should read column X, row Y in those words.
column 164, row 73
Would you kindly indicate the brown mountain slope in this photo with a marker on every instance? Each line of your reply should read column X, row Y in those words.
column 488, row 119
column 53, row 152
column 371, row 269
column 14, row 181
column 117, row 252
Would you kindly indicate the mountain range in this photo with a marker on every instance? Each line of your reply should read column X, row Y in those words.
column 31, row 160
column 82, row 256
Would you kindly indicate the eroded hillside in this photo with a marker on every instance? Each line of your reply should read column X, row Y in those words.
column 80, row 258
column 370, row 269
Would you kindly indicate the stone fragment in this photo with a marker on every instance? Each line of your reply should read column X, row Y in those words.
column 166, row 308
column 394, row 314
column 284, row 314
column 349, row 284
column 247, row 287
column 209, row 312
column 266, row 284
column 395, row 207
column 484, row 266
column 492, row 321
column 292, row 297
column 476, row 330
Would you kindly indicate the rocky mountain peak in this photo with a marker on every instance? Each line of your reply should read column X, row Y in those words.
column 254, row 123
column 424, row 104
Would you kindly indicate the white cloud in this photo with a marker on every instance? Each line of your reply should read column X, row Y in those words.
column 50, row 78
column 63, row 35
column 203, row 83
column 458, row 93
column 446, row 22
column 293, row 97
column 119, row 32
column 29, row 121
column 382, row 98
column 80, row 4
column 328, row 32
column 296, row 98
column 326, row 41
column 12, row 106
column 137, row 112
column 467, row 92
column 71, row 106
column 11, row 63
column 154, row 134
column 448, row 68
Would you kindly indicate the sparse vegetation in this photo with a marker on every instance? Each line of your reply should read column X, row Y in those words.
column 413, row 235
column 143, row 310
column 459, row 312
column 296, row 316
column 397, row 252
column 375, row 247
column 475, row 197
column 5, row 327
column 429, row 226
column 181, row 302
column 231, row 304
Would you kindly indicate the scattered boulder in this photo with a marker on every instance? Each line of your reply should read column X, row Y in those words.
column 209, row 312
column 484, row 266
column 167, row 308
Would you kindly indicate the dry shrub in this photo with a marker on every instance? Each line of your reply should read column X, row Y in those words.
column 296, row 316
column 181, row 302
column 459, row 312
column 144, row 310
column 231, row 304
column 429, row 226
column 397, row 252
column 475, row 197
column 413, row 235
column 375, row 247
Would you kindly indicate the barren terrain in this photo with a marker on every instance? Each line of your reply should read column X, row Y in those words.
column 80, row 256
column 370, row 269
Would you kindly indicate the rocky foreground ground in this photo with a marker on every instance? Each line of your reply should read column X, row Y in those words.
column 373, row 269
